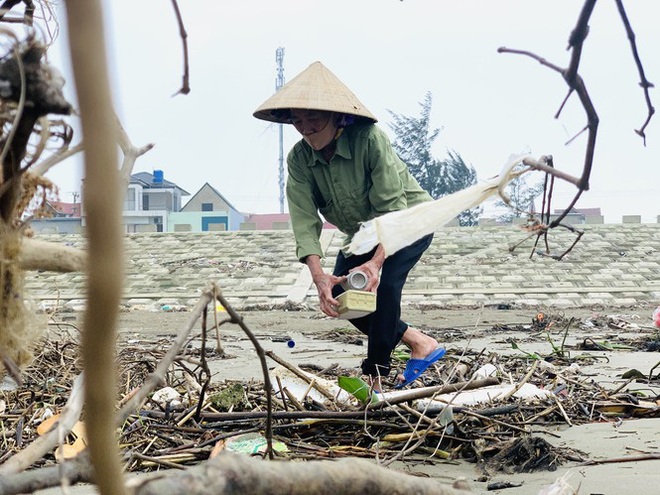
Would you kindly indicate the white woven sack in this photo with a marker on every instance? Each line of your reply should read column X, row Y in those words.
column 399, row 229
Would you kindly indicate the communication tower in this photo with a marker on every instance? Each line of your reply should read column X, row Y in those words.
column 279, row 82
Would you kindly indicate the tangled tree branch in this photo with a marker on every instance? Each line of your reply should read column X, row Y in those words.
column 46, row 443
column 576, row 85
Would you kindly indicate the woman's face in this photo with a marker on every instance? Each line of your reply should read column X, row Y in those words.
column 317, row 127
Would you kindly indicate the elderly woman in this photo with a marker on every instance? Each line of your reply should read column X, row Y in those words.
column 344, row 169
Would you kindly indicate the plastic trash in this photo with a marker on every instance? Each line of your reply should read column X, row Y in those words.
column 485, row 371
column 248, row 443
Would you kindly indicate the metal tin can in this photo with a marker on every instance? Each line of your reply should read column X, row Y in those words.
column 356, row 280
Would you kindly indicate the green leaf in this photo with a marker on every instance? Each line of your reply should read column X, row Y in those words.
column 401, row 354
column 357, row 387
column 531, row 355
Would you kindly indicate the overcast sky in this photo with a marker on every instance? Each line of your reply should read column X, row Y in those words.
column 389, row 53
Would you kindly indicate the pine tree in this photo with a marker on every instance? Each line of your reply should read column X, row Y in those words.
column 461, row 176
column 522, row 197
column 413, row 140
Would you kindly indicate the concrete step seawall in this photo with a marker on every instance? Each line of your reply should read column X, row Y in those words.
column 611, row 265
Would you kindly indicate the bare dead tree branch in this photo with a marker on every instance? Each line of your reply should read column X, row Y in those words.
column 644, row 83
column 158, row 376
column 131, row 153
column 185, row 88
column 541, row 164
column 268, row 386
column 576, row 85
column 45, row 165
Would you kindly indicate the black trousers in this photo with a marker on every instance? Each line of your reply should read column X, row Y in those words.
column 383, row 327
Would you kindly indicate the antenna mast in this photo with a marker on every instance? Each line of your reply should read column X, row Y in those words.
column 279, row 82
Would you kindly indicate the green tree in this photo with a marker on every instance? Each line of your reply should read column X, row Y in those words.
column 522, row 195
column 458, row 175
column 413, row 140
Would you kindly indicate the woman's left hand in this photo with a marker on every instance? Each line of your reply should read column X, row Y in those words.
column 372, row 269
column 372, row 272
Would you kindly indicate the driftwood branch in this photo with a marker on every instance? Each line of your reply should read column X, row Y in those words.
column 77, row 470
column 541, row 165
column 235, row 474
column 41, row 255
column 131, row 153
column 80, row 468
column 103, row 206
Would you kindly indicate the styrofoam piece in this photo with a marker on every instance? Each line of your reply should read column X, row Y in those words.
column 485, row 395
column 298, row 387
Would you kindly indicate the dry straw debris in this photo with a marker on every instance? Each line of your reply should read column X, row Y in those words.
column 190, row 414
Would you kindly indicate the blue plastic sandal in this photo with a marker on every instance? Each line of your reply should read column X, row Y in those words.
column 415, row 367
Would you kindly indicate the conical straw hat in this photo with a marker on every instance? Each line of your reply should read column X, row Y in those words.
column 315, row 88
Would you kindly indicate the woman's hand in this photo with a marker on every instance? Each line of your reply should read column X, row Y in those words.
column 324, row 283
column 372, row 269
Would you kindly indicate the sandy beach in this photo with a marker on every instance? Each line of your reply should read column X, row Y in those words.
column 623, row 449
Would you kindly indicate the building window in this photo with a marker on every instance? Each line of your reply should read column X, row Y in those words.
column 129, row 203
column 207, row 206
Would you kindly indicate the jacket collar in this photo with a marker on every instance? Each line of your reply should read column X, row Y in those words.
column 343, row 150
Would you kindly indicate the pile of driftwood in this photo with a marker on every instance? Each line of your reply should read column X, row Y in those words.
column 189, row 417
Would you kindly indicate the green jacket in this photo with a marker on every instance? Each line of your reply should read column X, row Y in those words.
column 364, row 179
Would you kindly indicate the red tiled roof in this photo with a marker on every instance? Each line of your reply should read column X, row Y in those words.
column 66, row 209
column 264, row 221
